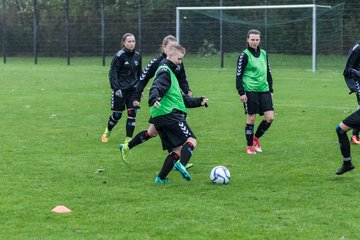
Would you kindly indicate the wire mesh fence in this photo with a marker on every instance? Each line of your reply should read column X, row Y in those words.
column 94, row 28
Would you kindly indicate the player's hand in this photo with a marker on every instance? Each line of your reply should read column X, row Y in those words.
column 204, row 101
column 136, row 104
column 189, row 93
column 118, row 93
column 243, row 98
column 156, row 104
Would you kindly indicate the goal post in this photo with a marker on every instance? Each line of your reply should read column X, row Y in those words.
column 312, row 14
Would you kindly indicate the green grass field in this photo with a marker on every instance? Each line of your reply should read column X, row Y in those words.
column 52, row 118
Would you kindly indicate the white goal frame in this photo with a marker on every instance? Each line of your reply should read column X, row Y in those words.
column 313, row 6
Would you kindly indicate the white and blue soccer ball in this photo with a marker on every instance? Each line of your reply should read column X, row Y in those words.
column 220, row 175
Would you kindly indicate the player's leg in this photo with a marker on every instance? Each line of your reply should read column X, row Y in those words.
column 168, row 165
column 266, row 109
column 140, row 138
column 170, row 159
column 130, row 124
column 112, row 121
column 117, row 106
column 181, row 136
column 344, row 145
column 251, row 109
column 143, row 136
column 249, row 133
column 355, row 136
column 351, row 122
column 131, row 115
column 355, row 133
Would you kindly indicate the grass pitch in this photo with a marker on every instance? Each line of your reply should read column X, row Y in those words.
column 52, row 118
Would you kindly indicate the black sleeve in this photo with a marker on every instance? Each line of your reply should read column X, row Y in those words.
column 140, row 68
column 192, row 102
column 113, row 73
column 354, row 56
column 146, row 75
column 183, row 80
column 160, row 86
column 241, row 65
column 269, row 76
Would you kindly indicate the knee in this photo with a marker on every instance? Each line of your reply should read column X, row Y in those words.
column 269, row 119
column 131, row 113
column 192, row 141
column 339, row 130
column 152, row 131
column 116, row 115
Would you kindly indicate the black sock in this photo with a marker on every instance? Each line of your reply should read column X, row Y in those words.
column 141, row 137
column 186, row 153
column 343, row 143
column 263, row 126
column 113, row 120
column 130, row 122
column 249, row 134
column 168, row 165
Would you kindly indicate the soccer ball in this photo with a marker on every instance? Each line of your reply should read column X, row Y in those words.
column 220, row 175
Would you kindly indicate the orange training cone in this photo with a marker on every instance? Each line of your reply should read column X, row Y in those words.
column 61, row 209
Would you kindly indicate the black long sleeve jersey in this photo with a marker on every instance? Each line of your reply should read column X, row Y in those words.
column 353, row 62
column 150, row 71
column 125, row 70
column 241, row 65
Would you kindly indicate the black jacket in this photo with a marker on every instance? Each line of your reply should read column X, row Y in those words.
column 125, row 70
column 352, row 71
column 353, row 61
column 241, row 65
column 150, row 71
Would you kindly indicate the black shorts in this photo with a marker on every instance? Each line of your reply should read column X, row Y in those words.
column 258, row 103
column 173, row 131
column 118, row 104
column 353, row 120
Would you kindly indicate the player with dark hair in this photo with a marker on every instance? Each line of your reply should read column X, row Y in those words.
column 168, row 113
column 351, row 75
column 147, row 74
column 124, row 74
column 254, row 85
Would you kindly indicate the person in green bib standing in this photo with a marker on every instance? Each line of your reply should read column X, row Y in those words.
column 255, row 86
column 168, row 112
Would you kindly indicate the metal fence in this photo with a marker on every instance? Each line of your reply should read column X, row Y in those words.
column 69, row 28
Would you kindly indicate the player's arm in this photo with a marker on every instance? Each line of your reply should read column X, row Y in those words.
column 145, row 76
column 193, row 102
column 183, row 81
column 241, row 65
column 353, row 57
column 113, row 74
column 269, row 76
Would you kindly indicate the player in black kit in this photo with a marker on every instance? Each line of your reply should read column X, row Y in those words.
column 352, row 78
column 124, row 74
column 353, row 62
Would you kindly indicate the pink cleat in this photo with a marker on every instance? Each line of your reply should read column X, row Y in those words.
column 250, row 150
